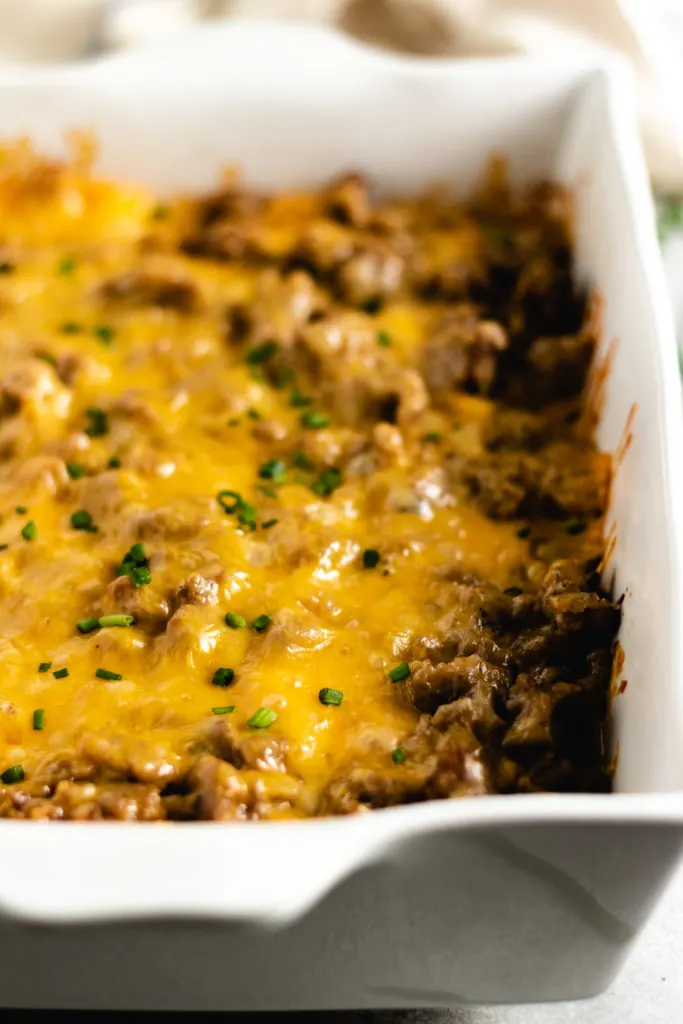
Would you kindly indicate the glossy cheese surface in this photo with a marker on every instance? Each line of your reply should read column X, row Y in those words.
column 132, row 397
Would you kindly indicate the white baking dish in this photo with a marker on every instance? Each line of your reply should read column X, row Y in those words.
column 498, row 899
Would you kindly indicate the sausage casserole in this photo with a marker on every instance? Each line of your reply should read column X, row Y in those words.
column 301, row 509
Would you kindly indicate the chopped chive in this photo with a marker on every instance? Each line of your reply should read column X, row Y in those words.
column 261, row 623
column 331, row 697
column 371, row 305
column 135, row 554
column 30, row 531
column 384, row 339
column 433, row 437
column 226, row 710
column 328, row 481
column 99, row 422
column 13, row 774
column 370, row 558
column 274, row 469
column 21, row 510
column 117, row 620
column 253, row 414
column 261, row 353
column 236, row 505
column 82, row 520
column 114, row 463
column 399, row 672
column 262, row 718
column 283, row 378
column 398, row 755
column 61, row 673
column 71, row 327
column 104, row 333
column 160, row 212
column 39, row 719
column 301, row 460
column 298, row 400
column 524, row 532
column 223, row 677
column 3, row 547
column 45, row 666
column 6, row 268
column 235, row 621
column 234, row 421
column 268, row 523
column 574, row 526
column 268, row 491
column 66, row 265
column 314, row 420
column 47, row 357
column 140, row 576
column 76, row 470
column 88, row 625
column 104, row 673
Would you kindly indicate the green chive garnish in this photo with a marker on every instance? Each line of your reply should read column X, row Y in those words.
column 274, row 469
column 39, row 719
column 384, row 339
column 61, row 673
column 13, row 774
column 82, row 520
column 226, row 710
column 87, row 625
column 234, row 421
column 160, row 212
column 253, row 414
column 298, row 400
column 104, row 333
column 66, row 265
column 301, row 461
column 114, row 463
column 99, row 422
column 140, row 576
column 268, row 523
column 574, row 526
column 45, row 666
column 268, row 491
column 116, row 620
column 399, row 672
column 261, row 353
column 235, row 621
column 3, row 547
column 71, row 327
column 233, row 503
column 21, row 510
column 370, row 558
column 223, row 677
column 398, row 755
column 314, row 420
column 30, row 531
column 76, row 470
column 6, row 268
column 331, row 697
column 104, row 673
column 262, row 718
column 433, row 436
column 524, row 532
column 261, row 623
column 328, row 481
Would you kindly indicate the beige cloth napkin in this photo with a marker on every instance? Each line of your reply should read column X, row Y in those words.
column 648, row 33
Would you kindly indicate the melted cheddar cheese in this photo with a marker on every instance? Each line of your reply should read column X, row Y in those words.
column 143, row 376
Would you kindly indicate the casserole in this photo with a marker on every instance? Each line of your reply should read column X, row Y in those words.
column 411, row 905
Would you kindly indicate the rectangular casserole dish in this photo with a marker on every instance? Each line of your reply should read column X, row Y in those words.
column 524, row 898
